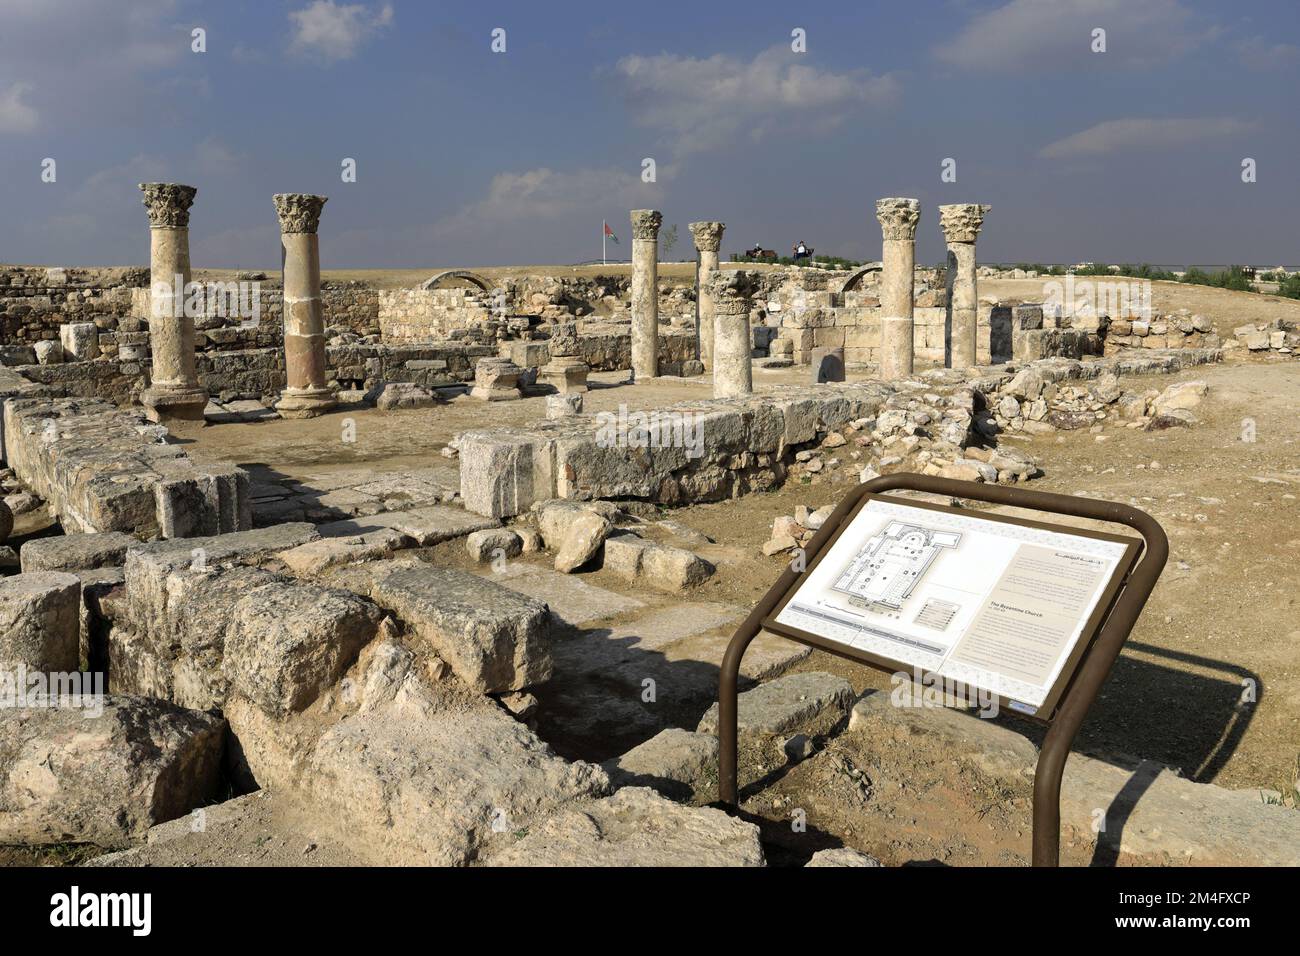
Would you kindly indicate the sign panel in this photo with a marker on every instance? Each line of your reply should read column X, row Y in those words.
column 989, row 602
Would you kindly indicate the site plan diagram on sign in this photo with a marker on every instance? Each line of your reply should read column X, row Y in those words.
column 890, row 564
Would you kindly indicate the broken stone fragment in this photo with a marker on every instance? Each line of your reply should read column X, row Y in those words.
column 582, row 540
column 493, row 543
column 404, row 395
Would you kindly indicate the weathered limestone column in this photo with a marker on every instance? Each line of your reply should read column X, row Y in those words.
column 961, row 227
column 733, row 372
column 174, row 393
column 306, row 393
column 645, row 293
column 708, row 240
column 898, row 218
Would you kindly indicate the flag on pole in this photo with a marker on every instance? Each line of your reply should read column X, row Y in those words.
column 609, row 233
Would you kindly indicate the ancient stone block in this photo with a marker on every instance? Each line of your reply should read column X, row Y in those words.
column 80, row 341
column 40, row 621
column 287, row 641
column 72, row 776
column 76, row 552
column 494, row 639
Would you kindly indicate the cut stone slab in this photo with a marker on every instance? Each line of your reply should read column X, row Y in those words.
column 572, row 600
column 67, row 775
column 677, row 763
column 813, row 703
column 495, row 639
column 426, row 526
column 636, row 827
column 40, row 621
column 842, row 856
column 76, row 552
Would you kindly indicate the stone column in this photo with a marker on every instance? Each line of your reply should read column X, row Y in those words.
column 898, row 219
column 961, row 227
column 174, row 393
column 732, row 350
column 645, row 293
column 306, row 393
column 708, row 240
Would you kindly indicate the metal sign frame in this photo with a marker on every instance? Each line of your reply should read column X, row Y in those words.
column 1094, row 655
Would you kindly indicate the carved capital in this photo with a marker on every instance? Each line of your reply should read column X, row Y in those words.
column 898, row 217
column 731, row 289
column 298, row 212
column 646, row 223
column 708, row 235
column 961, row 222
column 168, row 204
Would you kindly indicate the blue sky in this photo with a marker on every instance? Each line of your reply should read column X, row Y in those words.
column 469, row 157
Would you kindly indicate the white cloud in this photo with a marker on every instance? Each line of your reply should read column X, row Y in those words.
column 16, row 116
column 704, row 103
column 1034, row 33
column 1261, row 54
column 1136, row 133
column 335, row 32
column 538, row 215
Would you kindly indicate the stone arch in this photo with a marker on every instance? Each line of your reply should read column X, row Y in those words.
column 854, row 280
column 471, row 277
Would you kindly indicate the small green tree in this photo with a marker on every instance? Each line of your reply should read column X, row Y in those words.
column 669, row 239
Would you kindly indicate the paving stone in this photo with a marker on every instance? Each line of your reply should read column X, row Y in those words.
column 427, row 526
column 572, row 601
column 813, row 702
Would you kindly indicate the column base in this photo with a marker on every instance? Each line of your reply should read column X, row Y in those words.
column 164, row 404
column 306, row 402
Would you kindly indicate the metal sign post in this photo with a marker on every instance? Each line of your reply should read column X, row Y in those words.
column 1090, row 671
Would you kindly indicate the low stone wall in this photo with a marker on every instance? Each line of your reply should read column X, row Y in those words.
column 426, row 315
column 715, row 449
column 607, row 346
column 104, row 469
